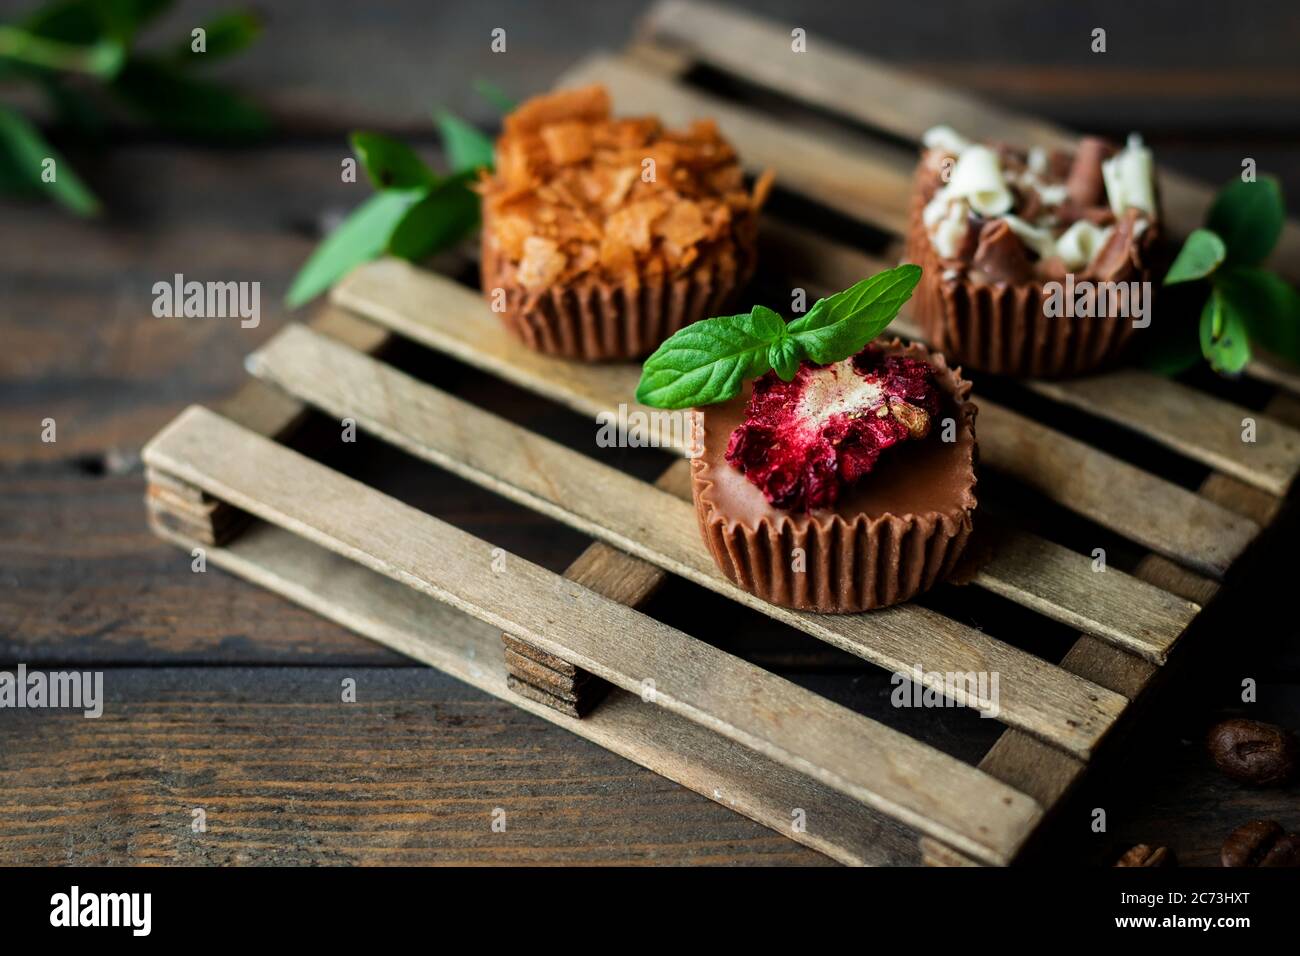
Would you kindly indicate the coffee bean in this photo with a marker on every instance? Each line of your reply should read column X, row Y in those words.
column 1261, row 843
column 1254, row 752
column 1143, row 855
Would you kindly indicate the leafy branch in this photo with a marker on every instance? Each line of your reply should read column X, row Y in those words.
column 80, row 55
column 709, row 361
column 414, row 212
column 1246, row 303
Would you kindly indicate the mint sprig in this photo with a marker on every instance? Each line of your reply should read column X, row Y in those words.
column 415, row 211
column 1246, row 303
column 708, row 361
column 84, row 59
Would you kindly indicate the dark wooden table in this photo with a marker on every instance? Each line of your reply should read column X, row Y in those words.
column 226, row 698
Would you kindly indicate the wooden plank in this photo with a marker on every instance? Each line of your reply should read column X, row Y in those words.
column 834, row 745
column 435, row 634
column 1062, row 584
column 872, row 92
column 441, row 314
column 1144, row 508
column 1204, row 428
column 1047, row 775
column 1191, row 422
column 857, row 177
column 663, row 529
column 612, row 574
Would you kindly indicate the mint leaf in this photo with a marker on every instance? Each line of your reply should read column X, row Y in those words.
column 24, row 150
column 83, row 21
column 1201, row 254
column 101, row 58
column 1172, row 354
column 361, row 237
column 707, row 361
column 784, row 355
column 442, row 218
column 224, row 35
column 766, row 322
column 176, row 101
column 1224, row 342
column 466, row 148
column 843, row 324
column 1249, row 217
column 390, row 164
column 1268, row 305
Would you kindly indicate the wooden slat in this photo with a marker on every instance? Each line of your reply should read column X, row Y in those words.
column 1193, row 423
column 439, row 313
column 1053, row 580
column 871, row 762
column 1048, row 775
column 867, row 180
column 1062, row 585
column 1136, row 503
column 661, row 528
column 413, row 624
column 871, row 92
column 873, row 183
column 612, row 574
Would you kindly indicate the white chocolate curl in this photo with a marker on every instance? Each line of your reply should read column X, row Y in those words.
column 977, row 178
column 1081, row 242
column 948, row 232
column 1130, row 179
column 1034, row 237
column 946, row 139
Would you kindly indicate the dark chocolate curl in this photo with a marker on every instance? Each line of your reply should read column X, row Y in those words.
column 1085, row 184
column 1001, row 255
column 1120, row 250
column 1030, row 206
column 970, row 240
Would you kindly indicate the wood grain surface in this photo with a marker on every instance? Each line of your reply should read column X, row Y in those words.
column 662, row 529
column 214, row 682
column 434, row 310
column 800, row 730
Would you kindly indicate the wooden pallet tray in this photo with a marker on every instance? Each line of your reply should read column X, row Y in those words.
column 579, row 653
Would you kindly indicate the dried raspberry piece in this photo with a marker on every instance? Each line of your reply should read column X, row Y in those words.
column 806, row 441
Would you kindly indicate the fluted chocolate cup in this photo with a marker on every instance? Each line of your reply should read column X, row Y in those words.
column 596, row 319
column 1003, row 327
column 894, row 535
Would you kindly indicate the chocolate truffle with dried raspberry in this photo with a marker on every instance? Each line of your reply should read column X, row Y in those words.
column 837, row 474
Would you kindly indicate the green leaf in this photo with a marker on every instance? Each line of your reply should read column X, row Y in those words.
column 226, row 35
column 180, row 103
column 1200, row 256
column 1249, row 217
column 391, row 164
column 1173, row 354
column 708, row 361
column 466, row 148
column 494, row 95
column 842, row 325
column 74, row 107
column 1268, row 305
column 86, row 21
column 100, row 58
column 441, row 219
column 361, row 237
column 26, row 151
column 784, row 355
column 1224, row 340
